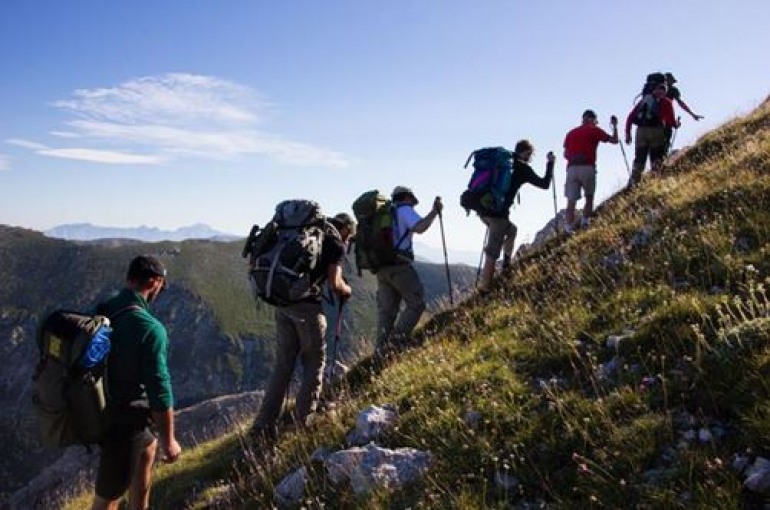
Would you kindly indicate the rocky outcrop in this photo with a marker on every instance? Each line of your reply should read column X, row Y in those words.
column 75, row 469
column 362, row 469
column 554, row 227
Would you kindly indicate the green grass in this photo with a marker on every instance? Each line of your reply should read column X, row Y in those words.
column 693, row 310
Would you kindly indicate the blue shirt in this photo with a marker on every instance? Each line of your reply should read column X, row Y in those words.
column 405, row 219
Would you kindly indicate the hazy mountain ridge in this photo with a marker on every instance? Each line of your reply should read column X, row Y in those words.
column 89, row 232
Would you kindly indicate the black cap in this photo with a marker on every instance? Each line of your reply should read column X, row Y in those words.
column 345, row 220
column 144, row 267
column 670, row 77
column 589, row 113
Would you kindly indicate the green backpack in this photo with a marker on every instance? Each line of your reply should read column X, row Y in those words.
column 69, row 395
column 375, row 215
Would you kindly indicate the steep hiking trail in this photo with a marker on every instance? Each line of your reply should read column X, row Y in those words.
column 623, row 367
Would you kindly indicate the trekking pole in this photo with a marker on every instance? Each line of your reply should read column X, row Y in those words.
column 481, row 257
column 446, row 259
column 623, row 150
column 673, row 137
column 614, row 122
column 337, row 330
column 555, row 209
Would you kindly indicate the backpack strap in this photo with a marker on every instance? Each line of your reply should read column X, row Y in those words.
column 403, row 237
column 124, row 310
column 469, row 159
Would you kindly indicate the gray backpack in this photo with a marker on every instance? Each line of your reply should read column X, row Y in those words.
column 285, row 252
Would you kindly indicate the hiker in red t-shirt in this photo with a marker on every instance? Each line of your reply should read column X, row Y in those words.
column 652, row 114
column 580, row 151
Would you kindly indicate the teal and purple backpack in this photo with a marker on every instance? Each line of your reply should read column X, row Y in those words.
column 490, row 181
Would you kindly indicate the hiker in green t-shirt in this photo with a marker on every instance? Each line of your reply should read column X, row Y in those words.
column 140, row 399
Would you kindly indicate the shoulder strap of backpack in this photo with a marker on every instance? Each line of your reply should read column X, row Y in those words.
column 124, row 310
column 467, row 161
column 394, row 211
column 330, row 228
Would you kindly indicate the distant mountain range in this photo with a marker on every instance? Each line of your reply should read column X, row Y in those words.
column 144, row 233
column 89, row 232
column 427, row 253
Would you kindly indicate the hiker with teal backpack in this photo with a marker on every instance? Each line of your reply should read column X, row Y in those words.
column 580, row 146
column 652, row 115
column 497, row 177
column 384, row 247
column 289, row 261
column 140, row 399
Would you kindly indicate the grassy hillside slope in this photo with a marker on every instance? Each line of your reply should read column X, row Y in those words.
column 623, row 367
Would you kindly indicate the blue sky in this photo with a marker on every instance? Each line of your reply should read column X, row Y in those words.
column 177, row 112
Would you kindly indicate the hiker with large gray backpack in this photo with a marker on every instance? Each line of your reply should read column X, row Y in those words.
column 289, row 260
column 384, row 246
column 498, row 174
column 102, row 378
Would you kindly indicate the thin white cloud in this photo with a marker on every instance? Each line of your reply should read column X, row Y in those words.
column 92, row 155
column 4, row 163
column 99, row 156
column 27, row 144
column 65, row 134
column 217, row 144
column 154, row 119
column 167, row 99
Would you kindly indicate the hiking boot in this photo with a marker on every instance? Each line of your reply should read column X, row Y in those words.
column 487, row 273
column 585, row 223
column 266, row 434
column 569, row 230
column 482, row 292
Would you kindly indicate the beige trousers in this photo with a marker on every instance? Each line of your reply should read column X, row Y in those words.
column 300, row 332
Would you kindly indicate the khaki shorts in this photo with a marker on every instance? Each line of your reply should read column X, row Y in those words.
column 580, row 176
column 650, row 136
column 501, row 232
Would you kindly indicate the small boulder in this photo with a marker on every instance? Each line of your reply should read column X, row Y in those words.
column 291, row 489
column 758, row 476
column 371, row 423
column 369, row 467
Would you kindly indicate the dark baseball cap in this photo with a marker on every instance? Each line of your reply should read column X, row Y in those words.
column 144, row 267
column 589, row 113
column 670, row 77
column 345, row 220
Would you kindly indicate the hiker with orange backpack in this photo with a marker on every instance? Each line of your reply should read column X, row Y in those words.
column 651, row 115
column 580, row 152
